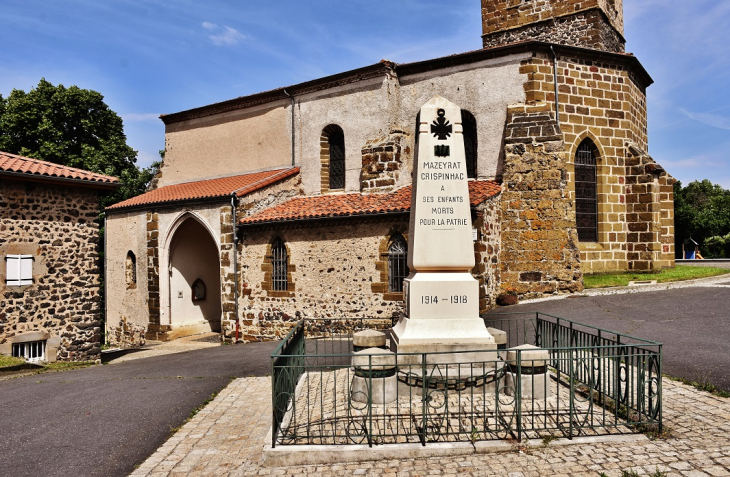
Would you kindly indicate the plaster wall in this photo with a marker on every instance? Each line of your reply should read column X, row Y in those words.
column 127, row 312
column 485, row 89
column 363, row 110
column 229, row 143
column 372, row 110
column 259, row 137
column 193, row 256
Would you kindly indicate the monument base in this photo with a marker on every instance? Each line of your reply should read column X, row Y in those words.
column 443, row 317
column 462, row 341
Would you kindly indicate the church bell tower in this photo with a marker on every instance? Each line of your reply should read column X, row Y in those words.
column 595, row 24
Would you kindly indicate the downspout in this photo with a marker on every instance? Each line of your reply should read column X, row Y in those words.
column 293, row 162
column 106, row 286
column 234, row 200
column 555, row 81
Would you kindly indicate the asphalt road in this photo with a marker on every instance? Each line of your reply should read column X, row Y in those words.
column 692, row 323
column 105, row 420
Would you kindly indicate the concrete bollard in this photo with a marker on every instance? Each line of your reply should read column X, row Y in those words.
column 368, row 339
column 375, row 377
column 535, row 381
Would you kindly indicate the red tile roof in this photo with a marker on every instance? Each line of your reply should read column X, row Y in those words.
column 213, row 188
column 20, row 166
column 348, row 205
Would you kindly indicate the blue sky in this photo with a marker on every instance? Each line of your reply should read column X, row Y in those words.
column 152, row 57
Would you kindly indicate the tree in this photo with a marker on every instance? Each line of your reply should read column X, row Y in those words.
column 701, row 211
column 73, row 127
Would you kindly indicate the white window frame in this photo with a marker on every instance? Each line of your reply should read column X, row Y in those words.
column 32, row 351
column 18, row 270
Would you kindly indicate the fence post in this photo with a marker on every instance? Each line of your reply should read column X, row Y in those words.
column 424, row 398
column 370, row 400
column 572, row 395
column 659, row 387
column 518, row 391
column 273, row 403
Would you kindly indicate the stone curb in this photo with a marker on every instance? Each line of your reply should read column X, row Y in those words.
column 286, row 456
column 697, row 282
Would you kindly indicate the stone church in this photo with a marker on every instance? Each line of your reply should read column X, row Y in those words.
column 294, row 203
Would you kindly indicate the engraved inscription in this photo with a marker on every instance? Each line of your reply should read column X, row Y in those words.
column 452, row 300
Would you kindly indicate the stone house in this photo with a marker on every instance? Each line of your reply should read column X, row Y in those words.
column 302, row 207
column 50, row 303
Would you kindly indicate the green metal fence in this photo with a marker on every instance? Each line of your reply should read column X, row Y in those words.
column 594, row 382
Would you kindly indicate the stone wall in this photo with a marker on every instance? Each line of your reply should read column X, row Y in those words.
column 488, row 222
column 125, row 333
column 228, row 283
column 666, row 198
column 153, row 277
column 607, row 104
column 58, row 225
column 585, row 29
column 649, row 238
column 539, row 242
column 332, row 269
column 586, row 23
column 382, row 162
column 600, row 97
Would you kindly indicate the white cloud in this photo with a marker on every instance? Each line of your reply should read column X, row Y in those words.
column 714, row 120
column 141, row 117
column 223, row 35
column 694, row 161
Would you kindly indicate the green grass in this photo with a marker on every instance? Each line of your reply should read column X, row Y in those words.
column 10, row 361
column 7, row 361
column 678, row 273
column 702, row 385
column 67, row 365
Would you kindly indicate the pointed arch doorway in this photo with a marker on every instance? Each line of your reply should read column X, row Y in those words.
column 194, row 279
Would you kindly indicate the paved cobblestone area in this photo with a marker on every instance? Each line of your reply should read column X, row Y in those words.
column 227, row 438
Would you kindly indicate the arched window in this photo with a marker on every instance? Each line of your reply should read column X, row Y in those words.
column 333, row 157
column 469, row 125
column 586, row 192
column 279, row 265
column 397, row 263
column 130, row 269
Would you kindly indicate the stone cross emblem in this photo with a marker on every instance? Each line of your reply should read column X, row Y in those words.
column 441, row 127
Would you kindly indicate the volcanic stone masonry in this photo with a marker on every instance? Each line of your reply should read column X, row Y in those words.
column 539, row 241
column 58, row 226
column 586, row 23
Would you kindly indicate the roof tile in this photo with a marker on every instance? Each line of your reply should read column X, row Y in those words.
column 15, row 164
column 355, row 204
column 242, row 184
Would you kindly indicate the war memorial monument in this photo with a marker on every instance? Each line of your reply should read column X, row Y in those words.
column 444, row 380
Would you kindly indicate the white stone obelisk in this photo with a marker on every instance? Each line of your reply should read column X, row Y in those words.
column 442, row 298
